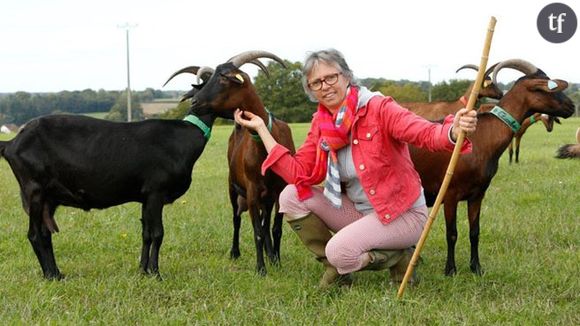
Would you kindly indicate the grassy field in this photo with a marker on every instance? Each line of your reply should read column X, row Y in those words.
column 528, row 249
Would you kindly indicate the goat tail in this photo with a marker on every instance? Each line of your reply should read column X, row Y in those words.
column 568, row 151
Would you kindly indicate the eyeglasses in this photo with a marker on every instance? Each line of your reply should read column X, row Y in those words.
column 330, row 80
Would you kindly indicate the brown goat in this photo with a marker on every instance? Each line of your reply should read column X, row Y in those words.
column 438, row 110
column 548, row 122
column 570, row 150
column 534, row 92
column 230, row 88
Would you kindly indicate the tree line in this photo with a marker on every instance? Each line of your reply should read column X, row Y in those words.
column 282, row 94
column 20, row 107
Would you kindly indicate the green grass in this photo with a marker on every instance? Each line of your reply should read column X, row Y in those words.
column 528, row 248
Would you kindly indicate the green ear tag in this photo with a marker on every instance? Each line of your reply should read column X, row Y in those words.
column 552, row 84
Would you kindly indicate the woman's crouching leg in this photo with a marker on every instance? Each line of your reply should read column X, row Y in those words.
column 348, row 250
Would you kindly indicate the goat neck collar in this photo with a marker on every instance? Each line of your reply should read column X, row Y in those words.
column 256, row 137
column 507, row 118
column 194, row 120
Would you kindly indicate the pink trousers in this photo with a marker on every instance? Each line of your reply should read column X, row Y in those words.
column 354, row 234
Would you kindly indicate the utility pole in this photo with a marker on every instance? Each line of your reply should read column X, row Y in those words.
column 430, row 86
column 127, row 27
column 429, row 72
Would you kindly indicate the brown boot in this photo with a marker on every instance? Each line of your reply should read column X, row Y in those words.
column 395, row 260
column 315, row 235
column 331, row 276
column 400, row 268
column 383, row 259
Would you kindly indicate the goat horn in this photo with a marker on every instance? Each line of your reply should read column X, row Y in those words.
column 490, row 70
column 262, row 66
column 468, row 66
column 190, row 69
column 249, row 56
column 518, row 64
column 204, row 73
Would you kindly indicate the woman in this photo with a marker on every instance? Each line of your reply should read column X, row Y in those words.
column 372, row 199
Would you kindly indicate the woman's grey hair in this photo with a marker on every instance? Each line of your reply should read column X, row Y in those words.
column 329, row 56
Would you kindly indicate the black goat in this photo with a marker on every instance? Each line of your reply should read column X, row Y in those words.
column 89, row 163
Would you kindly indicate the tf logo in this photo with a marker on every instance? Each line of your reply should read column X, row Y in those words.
column 557, row 22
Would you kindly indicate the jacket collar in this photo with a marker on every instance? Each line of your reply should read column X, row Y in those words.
column 364, row 97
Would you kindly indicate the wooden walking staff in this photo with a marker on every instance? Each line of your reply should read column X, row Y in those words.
column 452, row 162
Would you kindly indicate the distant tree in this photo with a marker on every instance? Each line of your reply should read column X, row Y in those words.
column 18, row 108
column 119, row 110
column 177, row 113
column 373, row 84
column 575, row 97
column 451, row 91
column 407, row 92
column 283, row 94
column 148, row 95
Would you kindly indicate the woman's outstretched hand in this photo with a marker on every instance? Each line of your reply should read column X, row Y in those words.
column 253, row 122
column 248, row 120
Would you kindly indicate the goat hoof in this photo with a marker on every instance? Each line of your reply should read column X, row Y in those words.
column 275, row 261
column 234, row 255
column 450, row 271
column 58, row 277
column 149, row 272
column 477, row 270
column 261, row 271
column 54, row 276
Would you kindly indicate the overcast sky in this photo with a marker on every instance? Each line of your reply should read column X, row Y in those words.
column 49, row 46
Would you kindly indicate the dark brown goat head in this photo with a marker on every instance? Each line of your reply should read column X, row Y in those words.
column 547, row 96
column 230, row 88
column 542, row 94
column 488, row 88
column 202, row 73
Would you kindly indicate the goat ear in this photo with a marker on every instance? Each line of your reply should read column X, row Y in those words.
column 550, row 85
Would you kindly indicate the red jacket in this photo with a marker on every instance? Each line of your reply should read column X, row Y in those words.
column 380, row 133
